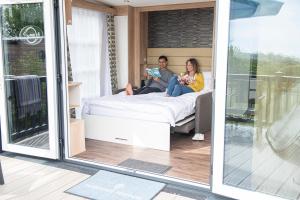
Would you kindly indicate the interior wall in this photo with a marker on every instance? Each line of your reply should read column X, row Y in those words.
column 121, row 29
column 192, row 28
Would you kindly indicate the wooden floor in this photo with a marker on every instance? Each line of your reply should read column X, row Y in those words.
column 28, row 180
column 190, row 160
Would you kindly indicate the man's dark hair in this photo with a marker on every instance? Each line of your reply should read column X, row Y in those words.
column 163, row 57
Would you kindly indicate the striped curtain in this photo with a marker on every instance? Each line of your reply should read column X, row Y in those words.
column 112, row 51
column 70, row 76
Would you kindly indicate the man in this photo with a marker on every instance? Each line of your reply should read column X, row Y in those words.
column 154, row 84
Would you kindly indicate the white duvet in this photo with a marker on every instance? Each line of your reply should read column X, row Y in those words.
column 151, row 107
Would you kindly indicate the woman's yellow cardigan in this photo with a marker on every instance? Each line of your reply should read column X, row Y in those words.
column 198, row 84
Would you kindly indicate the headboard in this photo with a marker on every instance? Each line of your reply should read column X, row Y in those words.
column 178, row 56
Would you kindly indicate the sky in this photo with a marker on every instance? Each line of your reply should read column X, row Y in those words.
column 278, row 34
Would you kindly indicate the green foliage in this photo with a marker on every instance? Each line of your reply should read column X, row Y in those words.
column 16, row 17
column 267, row 64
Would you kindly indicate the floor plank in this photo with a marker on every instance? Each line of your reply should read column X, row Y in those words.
column 190, row 160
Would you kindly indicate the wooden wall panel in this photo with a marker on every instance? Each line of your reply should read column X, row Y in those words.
column 137, row 47
column 121, row 10
column 137, row 41
column 204, row 61
column 189, row 52
column 144, row 41
column 209, row 4
column 178, row 56
column 93, row 6
column 131, row 39
column 68, row 11
column 181, row 69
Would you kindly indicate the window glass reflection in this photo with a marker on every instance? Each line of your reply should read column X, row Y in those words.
column 25, row 78
column 262, row 131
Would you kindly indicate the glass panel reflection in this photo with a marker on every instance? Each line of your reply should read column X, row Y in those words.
column 262, row 129
column 25, row 74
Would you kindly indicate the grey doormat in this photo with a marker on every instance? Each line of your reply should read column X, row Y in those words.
column 106, row 185
column 39, row 141
column 145, row 166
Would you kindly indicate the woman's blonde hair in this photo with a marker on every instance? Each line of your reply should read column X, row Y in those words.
column 195, row 64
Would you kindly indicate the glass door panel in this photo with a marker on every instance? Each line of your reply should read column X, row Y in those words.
column 261, row 143
column 25, row 79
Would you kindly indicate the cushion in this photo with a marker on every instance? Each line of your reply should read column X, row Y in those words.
column 208, row 83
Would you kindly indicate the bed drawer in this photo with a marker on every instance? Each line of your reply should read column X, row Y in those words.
column 102, row 130
column 128, row 131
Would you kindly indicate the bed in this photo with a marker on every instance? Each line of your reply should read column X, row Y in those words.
column 146, row 120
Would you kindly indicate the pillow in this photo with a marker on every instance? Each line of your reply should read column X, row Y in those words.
column 208, row 83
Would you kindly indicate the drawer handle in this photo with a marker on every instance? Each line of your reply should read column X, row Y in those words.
column 123, row 139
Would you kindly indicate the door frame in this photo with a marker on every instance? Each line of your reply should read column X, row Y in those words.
column 48, row 14
column 219, row 106
column 66, row 128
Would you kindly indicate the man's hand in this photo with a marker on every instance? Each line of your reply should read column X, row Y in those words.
column 145, row 75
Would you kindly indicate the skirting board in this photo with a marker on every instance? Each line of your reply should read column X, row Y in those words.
column 147, row 134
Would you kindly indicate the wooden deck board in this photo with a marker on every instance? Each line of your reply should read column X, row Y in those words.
column 236, row 161
column 258, row 176
column 241, row 172
column 289, row 189
column 29, row 180
column 60, row 194
column 232, row 151
column 43, row 182
column 277, row 179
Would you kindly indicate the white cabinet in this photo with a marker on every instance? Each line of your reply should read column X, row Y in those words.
column 77, row 137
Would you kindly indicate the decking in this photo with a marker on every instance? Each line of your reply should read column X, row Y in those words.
column 250, row 163
column 33, row 179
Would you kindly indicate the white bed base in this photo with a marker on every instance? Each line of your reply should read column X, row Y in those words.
column 147, row 134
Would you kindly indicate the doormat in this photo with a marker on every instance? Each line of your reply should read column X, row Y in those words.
column 39, row 141
column 145, row 166
column 106, row 185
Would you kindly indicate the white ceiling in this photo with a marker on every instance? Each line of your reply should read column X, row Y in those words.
column 140, row 3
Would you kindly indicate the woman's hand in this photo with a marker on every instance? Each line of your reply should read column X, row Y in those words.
column 156, row 79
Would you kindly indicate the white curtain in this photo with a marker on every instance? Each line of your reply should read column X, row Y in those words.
column 89, row 52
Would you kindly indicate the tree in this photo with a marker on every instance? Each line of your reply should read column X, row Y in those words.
column 16, row 17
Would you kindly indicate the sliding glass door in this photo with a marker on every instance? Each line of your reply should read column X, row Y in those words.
column 257, row 108
column 28, row 94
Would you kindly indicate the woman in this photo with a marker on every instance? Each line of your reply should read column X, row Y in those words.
column 192, row 81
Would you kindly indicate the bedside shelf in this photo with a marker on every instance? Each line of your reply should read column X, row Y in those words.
column 74, row 84
column 73, row 106
column 74, row 94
